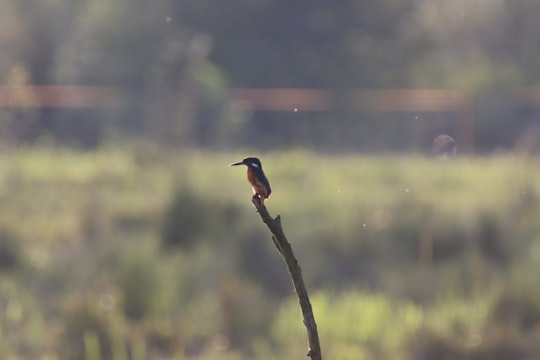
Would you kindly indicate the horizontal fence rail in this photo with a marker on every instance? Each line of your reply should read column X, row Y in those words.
column 276, row 99
column 65, row 96
column 281, row 99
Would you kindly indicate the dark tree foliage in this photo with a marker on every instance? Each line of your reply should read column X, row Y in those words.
column 179, row 58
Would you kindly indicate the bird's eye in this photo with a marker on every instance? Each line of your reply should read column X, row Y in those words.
column 255, row 165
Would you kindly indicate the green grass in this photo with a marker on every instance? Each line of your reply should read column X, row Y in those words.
column 128, row 252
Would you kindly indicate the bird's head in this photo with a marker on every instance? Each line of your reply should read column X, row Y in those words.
column 252, row 162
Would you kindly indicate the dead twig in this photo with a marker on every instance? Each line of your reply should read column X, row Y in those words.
column 284, row 248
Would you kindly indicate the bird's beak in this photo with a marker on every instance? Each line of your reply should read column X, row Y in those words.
column 236, row 163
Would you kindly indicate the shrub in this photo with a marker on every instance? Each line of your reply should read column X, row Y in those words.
column 184, row 219
column 191, row 217
column 10, row 250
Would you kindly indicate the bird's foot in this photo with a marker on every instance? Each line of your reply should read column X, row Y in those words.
column 257, row 200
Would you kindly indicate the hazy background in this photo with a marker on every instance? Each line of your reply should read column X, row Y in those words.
column 176, row 65
column 124, row 235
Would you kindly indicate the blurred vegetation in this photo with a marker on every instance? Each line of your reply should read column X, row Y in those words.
column 143, row 250
column 177, row 60
column 146, row 253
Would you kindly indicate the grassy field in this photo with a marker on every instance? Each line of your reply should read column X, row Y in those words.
column 149, row 253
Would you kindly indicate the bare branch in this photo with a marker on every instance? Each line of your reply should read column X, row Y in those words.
column 284, row 248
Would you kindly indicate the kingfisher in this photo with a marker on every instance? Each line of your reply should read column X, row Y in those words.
column 256, row 177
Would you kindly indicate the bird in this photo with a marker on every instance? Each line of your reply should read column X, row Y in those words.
column 257, row 179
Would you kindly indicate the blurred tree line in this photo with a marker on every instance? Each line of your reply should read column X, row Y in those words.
column 179, row 58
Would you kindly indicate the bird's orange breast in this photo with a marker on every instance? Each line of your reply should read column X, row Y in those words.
column 258, row 187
